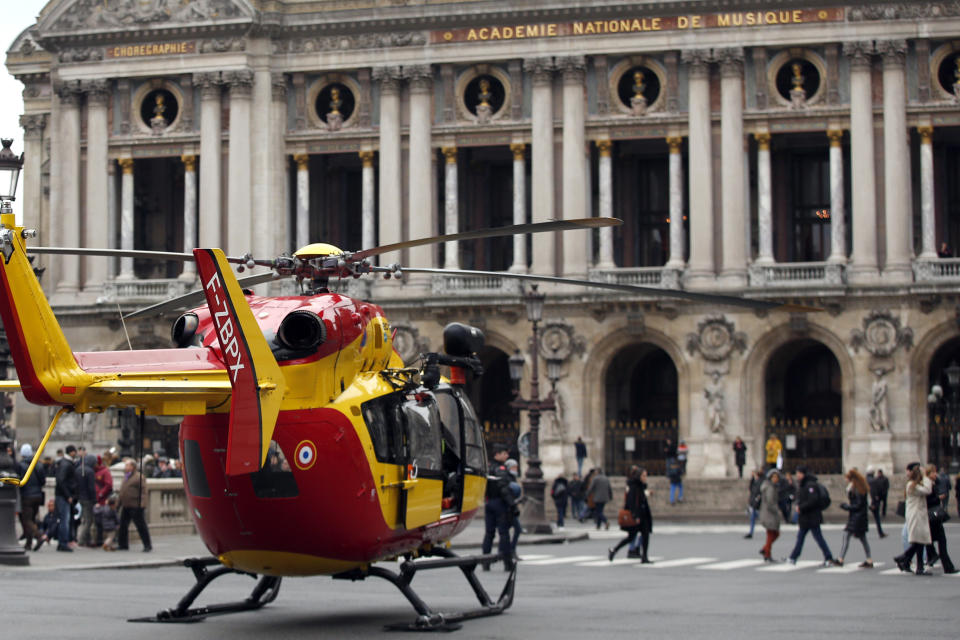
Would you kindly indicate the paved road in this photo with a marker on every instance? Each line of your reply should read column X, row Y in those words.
column 707, row 582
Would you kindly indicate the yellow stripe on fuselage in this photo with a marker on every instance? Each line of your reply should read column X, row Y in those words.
column 282, row 563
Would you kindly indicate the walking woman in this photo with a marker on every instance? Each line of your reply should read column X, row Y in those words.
column 918, row 526
column 857, row 521
column 769, row 511
column 937, row 514
column 637, row 503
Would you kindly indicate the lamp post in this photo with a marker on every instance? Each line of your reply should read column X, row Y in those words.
column 533, row 516
column 953, row 409
column 935, row 403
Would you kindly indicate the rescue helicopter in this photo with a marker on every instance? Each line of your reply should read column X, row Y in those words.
column 293, row 409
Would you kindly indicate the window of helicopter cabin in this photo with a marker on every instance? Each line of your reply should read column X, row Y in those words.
column 423, row 434
column 194, row 474
column 275, row 479
column 450, row 426
column 384, row 419
column 475, row 453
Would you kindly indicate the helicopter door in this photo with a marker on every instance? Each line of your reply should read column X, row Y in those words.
column 423, row 495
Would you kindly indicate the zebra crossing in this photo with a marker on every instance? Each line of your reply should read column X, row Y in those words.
column 704, row 563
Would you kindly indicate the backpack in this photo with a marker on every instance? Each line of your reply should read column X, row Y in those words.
column 755, row 501
column 823, row 497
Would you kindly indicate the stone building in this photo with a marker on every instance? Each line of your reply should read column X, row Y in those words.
column 799, row 151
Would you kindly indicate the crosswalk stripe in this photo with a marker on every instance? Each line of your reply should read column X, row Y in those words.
column 679, row 562
column 562, row 560
column 893, row 572
column 786, row 566
column 617, row 561
column 732, row 564
column 848, row 568
column 535, row 556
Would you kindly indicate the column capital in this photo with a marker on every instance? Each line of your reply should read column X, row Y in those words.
column 604, row 147
column 574, row 68
column 240, row 83
column 894, row 53
column 835, row 136
column 859, row 53
column 731, row 61
column 97, row 92
column 278, row 86
column 208, row 83
column 698, row 60
column 675, row 142
column 540, row 69
column 126, row 165
column 389, row 78
column 302, row 160
column 366, row 157
column 420, row 77
column 926, row 134
column 33, row 125
column 450, row 154
column 519, row 150
column 69, row 94
column 189, row 162
column 763, row 140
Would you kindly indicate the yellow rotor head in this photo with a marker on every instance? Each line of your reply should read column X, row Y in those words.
column 317, row 250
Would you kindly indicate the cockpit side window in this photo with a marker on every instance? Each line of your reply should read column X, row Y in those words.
column 275, row 479
column 423, row 430
column 450, row 422
column 474, row 448
column 384, row 419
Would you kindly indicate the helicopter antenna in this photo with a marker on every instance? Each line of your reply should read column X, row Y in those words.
column 122, row 322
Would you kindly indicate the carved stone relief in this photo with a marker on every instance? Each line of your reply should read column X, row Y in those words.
column 881, row 335
column 409, row 343
column 143, row 13
column 351, row 41
column 558, row 341
column 903, row 10
column 716, row 339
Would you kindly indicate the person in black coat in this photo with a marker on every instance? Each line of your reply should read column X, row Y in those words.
column 857, row 521
column 879, row 486
column 937, row 534
column 811, row 516
column 739, row 454
column 66, row 493
column 636, row 503
column 559, row 492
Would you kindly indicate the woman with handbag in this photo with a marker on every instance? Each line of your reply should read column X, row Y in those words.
column 937, row 515
column 857, row 521
column 635, row 517
column 918, row 525
column 770, row 511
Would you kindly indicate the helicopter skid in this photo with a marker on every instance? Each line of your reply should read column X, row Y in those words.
column 263, row 593
column 427, row 619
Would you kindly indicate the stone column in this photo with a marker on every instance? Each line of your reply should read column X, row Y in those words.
column 390, row 182
column 896, row 175
column 575, row 186
column 210, row 158
column 451, row 208
column 863, row 268
column 33, row 129
column 279, row 201
column 605, row 178
column 420, row 188
column 69, row 213
column 113, row 215
column 519, row 206
column 239, row 195
column 927, row 216
column 302, row 160
column 189, row 214
column 95, row 217
column 838, row 237
column 368, row 219
column 262, row 157
column 676, row 260
column 544, row 244
column 764, row 200
column 734, row 214
column 700, row 270
column 126, row 217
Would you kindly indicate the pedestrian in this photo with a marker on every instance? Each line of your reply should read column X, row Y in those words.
column 580, row 449
column 812, row 499
column 498, row 508
column 675, row 476
column 31, row 497
column 516, row 491
column 669, row 449
column 560, row 492
column 739, row 455
column 786, row 494
column 133, row 495
column 590, row 505
column 753, row 499
column 682, row 451
column 575, row 489
column 773, row 450
column 601, row 494
column 917, row 524
column 857, row 521
column 942, row 484
column 638, row 534
column 87, row 493
column 879, row 486
column 104, row 485
column 937, row 515
column 770, row 512
column 66, row 493
column 49, row 526
column 111, row 522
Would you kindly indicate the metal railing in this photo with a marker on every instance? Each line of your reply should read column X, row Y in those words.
column 144, row 290
column 817, row 442
column 797, row 274
column 639, row 442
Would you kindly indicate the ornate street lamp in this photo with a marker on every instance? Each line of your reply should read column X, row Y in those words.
column 533, row 517
column 934, row 402
column 10, row 165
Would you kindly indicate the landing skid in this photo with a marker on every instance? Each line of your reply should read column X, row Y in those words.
column 427, row 619
column 264, row 592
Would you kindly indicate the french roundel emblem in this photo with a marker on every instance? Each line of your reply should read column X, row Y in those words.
column 306, row 455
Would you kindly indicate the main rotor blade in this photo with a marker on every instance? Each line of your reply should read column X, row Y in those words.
column 494, row 232
column 712, row 298
column 124, row 253
column 193, row 298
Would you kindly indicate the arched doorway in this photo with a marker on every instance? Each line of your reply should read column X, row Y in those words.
column 491, row 396
column 641, row 401
column 804, row 405
column 943, row 444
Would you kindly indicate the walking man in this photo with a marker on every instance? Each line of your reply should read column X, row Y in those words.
column 810, row 505
column 879, row 486
column 601, row 493
column 581, row 451
column 498, row 511
column 133, row 495
column 66, row 496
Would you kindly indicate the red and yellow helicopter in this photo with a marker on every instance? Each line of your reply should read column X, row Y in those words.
column 294, row 409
